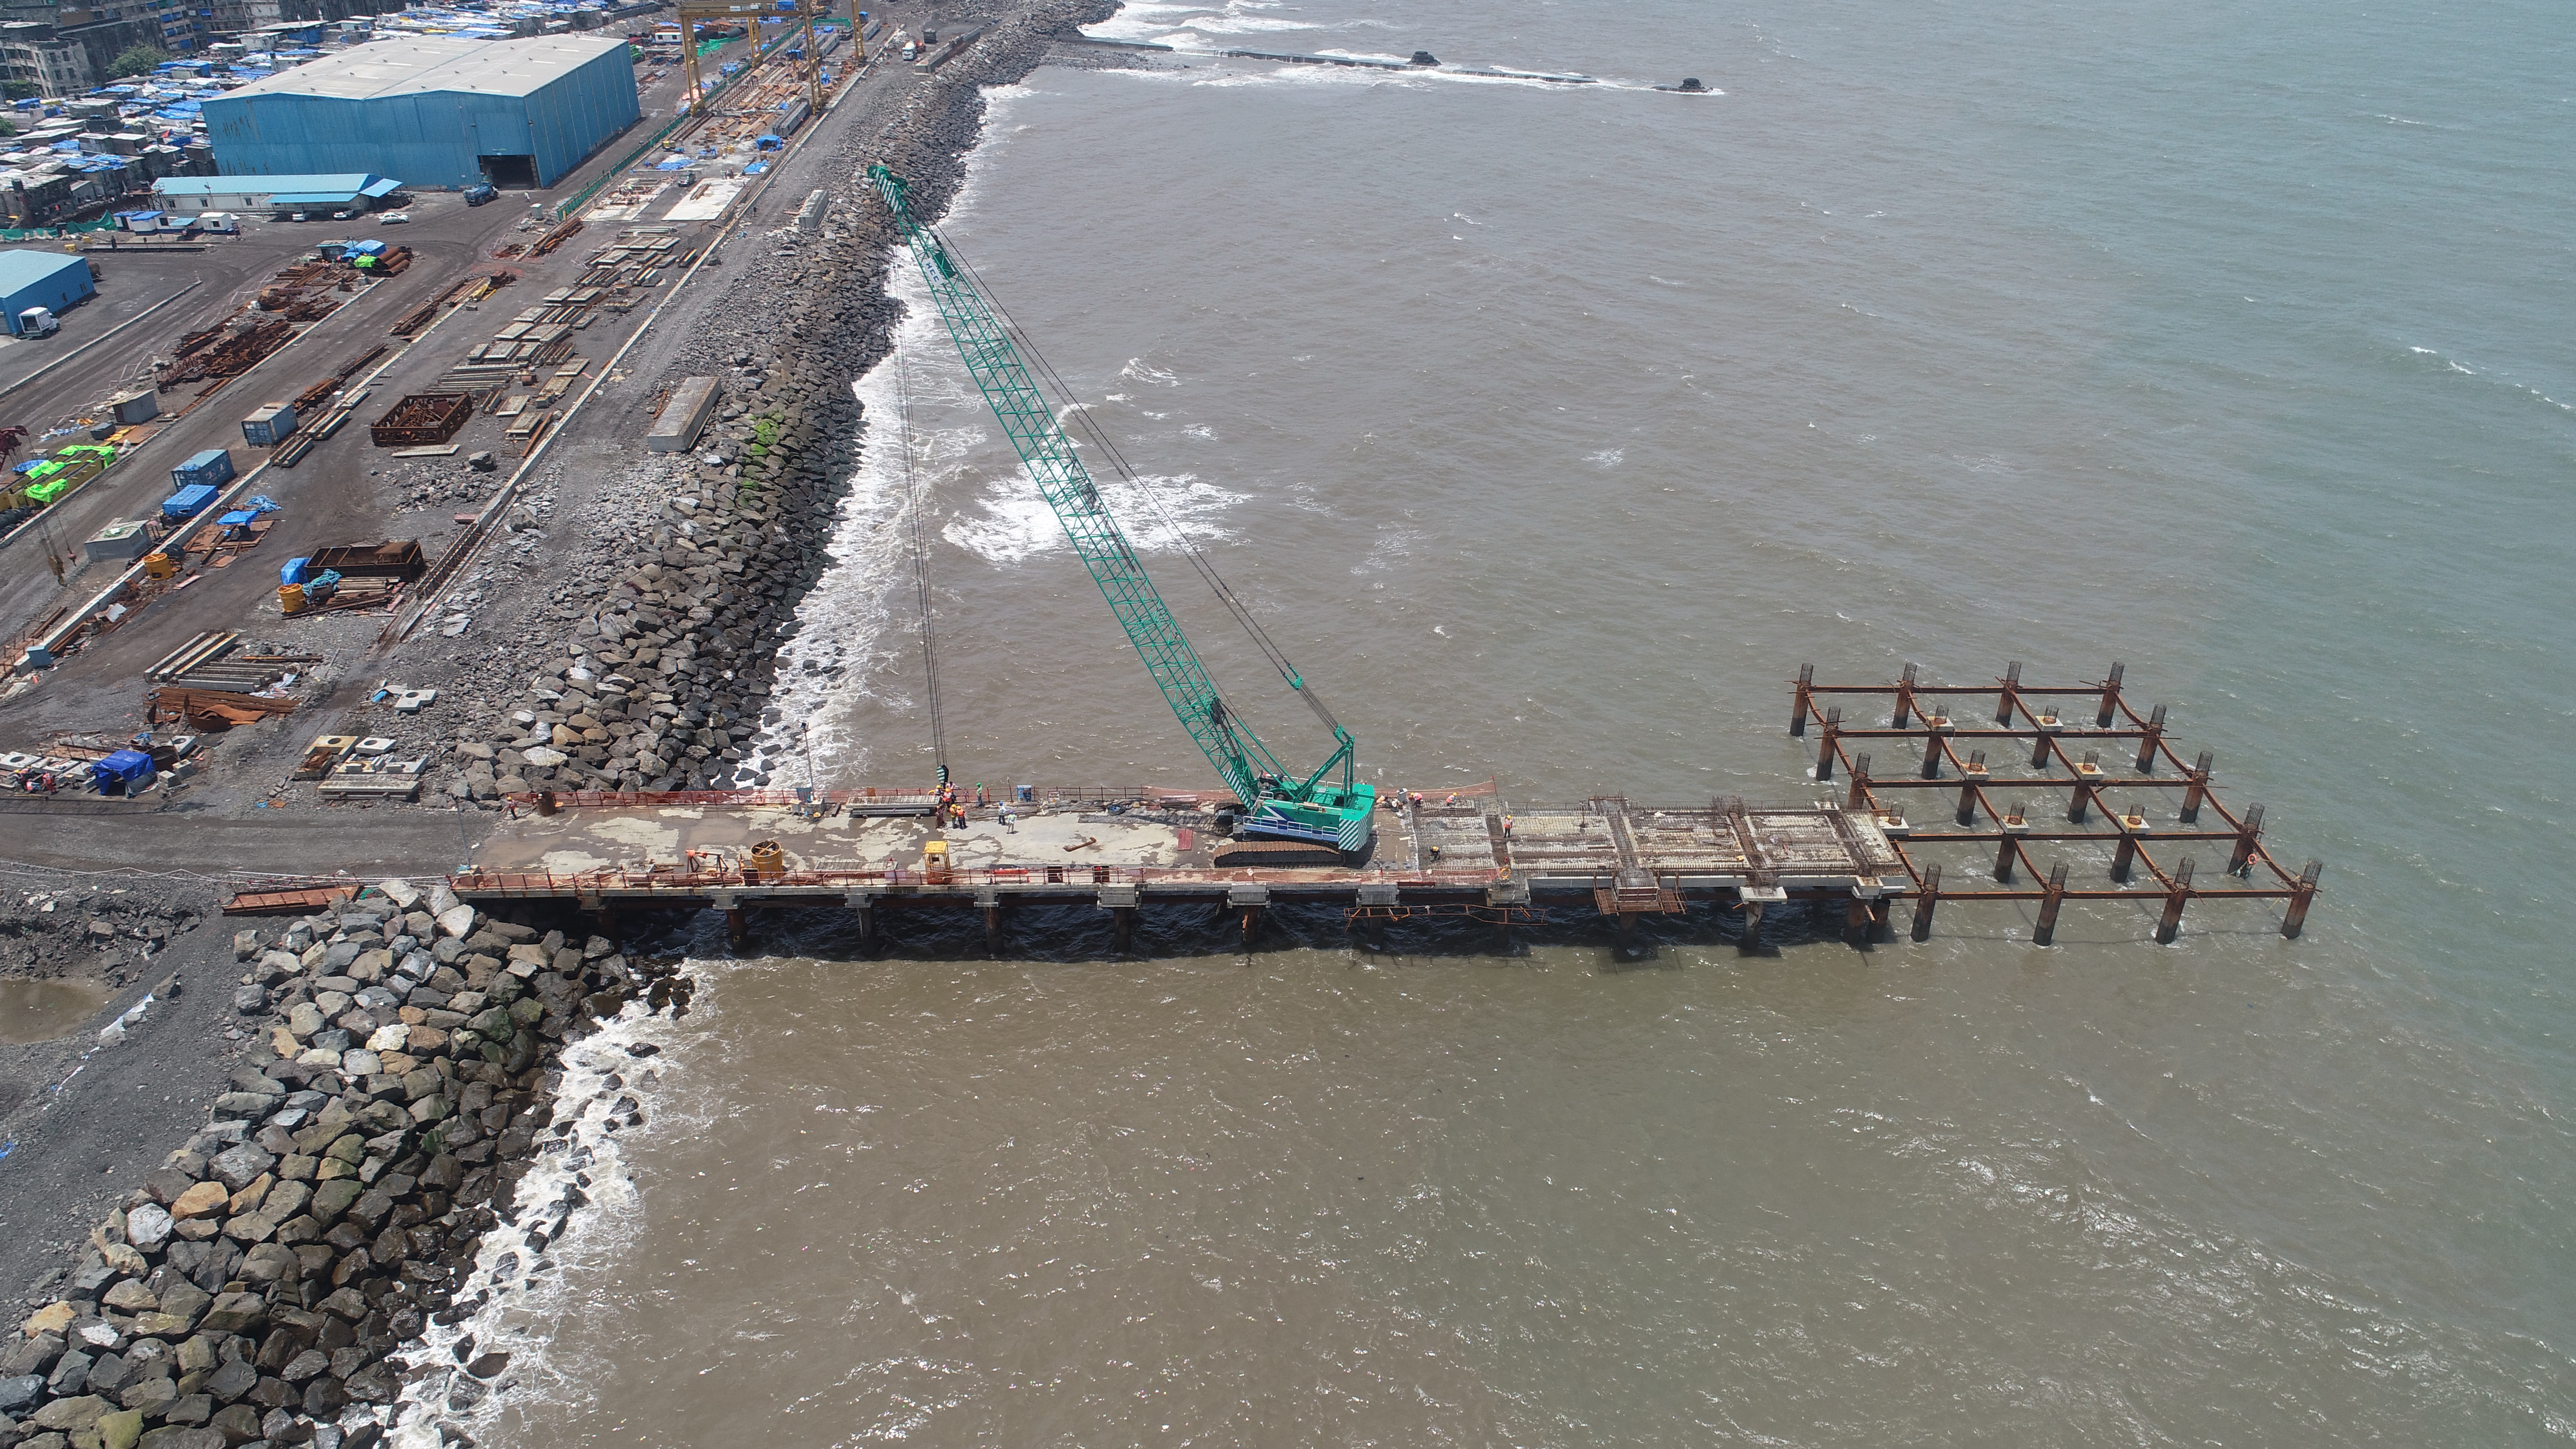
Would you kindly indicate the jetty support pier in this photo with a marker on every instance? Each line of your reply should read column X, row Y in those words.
column 2001, row 792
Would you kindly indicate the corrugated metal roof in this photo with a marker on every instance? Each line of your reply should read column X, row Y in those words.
column 345, row 183
column 414, row 65
column 20, row 269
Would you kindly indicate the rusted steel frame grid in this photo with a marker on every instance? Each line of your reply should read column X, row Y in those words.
column 2050, row 739
column 2175, row 889
column 2165, row 888
column 2165, row 884
column 1974, row 837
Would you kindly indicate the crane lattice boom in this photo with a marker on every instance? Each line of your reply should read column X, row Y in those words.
column 1279, row 803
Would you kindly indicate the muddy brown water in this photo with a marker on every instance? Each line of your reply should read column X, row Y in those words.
column 1551, row 429
column 33, row 1011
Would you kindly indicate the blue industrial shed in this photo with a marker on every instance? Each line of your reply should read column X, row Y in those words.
column 42, row 279
column 432, row 110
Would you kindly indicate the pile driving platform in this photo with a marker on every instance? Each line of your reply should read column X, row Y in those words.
column 1458, row 853
column 1464, row 853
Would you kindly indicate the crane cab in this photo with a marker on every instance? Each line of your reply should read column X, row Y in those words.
column 934, row 861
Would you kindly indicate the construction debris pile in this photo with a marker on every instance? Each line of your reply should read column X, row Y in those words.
column 304, row 291
column 86, row 931
column 222, row 352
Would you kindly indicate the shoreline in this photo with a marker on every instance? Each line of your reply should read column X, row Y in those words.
column 658, row 672
column 304, row 1268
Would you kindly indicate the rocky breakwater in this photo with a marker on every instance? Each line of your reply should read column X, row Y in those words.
column 663, row 681
column 659, row 686
column 261, row 1286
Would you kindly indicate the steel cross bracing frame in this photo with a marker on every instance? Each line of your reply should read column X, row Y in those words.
column 1960, row 788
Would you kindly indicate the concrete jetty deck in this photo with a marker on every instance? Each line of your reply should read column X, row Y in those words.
column 1450, row 851
column 1467, row 852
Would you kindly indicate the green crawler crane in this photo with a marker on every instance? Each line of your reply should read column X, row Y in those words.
column 1326, row 808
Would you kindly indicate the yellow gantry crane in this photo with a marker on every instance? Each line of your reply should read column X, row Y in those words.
column 750, row 14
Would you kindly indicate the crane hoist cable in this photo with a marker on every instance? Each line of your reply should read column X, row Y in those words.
column 1326, row 806
column 916, row 503
column 1152, row 495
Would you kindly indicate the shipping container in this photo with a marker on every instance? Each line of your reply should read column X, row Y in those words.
column 215, row 465
column 273, row 424
column 188, row 502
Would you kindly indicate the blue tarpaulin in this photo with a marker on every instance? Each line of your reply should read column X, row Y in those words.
column 120, row 770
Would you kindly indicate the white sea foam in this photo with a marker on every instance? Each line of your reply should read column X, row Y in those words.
column 531, row 1290
column 1389, row 550
column 1289, row 73
column 1010, row 523
column 1146, row 20
column 1245, row 25
column 1190, row 42
column 858, row 617
column 845, row 622
column 2453, row 364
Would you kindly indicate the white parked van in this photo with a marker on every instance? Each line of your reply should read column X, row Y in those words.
column 38, row 322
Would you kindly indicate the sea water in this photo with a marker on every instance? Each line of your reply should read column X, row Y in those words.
column 1549, row 428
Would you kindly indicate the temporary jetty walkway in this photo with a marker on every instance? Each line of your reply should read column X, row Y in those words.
column 1461, row 853
column 1916, row 835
